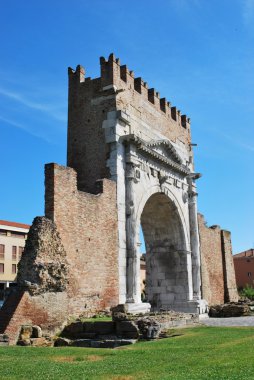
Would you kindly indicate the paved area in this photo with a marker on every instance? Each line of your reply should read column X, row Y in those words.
column 229, row 322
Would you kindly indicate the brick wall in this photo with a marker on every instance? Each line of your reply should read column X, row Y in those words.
column 87, row 224
column 86, row 149
column 217, row 270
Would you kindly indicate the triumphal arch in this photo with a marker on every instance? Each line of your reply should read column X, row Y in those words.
column 155, row 189
column 129, row 165
column 146, row 150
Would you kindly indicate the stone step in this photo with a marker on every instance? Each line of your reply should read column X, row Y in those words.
column 94, row 343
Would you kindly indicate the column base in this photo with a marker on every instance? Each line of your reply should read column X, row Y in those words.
column 199, row 307
column 203, row 306
column 138, row 308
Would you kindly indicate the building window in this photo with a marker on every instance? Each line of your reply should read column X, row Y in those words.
column 1, row 268
column 19, row 235
column 14, row 268
column 14, row 252
column 21, row 250
column 249, row 274
column 2, row 250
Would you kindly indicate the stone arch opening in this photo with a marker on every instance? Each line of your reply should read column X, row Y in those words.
column 167, row 278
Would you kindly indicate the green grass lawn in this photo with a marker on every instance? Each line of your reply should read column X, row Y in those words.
column 199, row 353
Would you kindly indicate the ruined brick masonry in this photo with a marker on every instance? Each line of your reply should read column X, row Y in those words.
column 72, row 275
column 130, row 162
column 217, row 267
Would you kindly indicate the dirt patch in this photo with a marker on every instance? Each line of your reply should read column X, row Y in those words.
column 74, row 359
column 94, row 358
column 64, row 359
column 235, row 342
column 121, row 377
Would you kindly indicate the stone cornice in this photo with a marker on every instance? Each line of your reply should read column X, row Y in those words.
column 169, row 147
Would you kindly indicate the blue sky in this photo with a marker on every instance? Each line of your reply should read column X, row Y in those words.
column 199, row 54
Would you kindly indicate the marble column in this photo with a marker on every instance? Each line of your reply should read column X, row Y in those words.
column 194, row 241
column 132, row 252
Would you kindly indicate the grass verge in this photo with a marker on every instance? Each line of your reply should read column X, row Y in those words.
column 199, row 353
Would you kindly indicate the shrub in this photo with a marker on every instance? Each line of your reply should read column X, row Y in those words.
column 248, row 292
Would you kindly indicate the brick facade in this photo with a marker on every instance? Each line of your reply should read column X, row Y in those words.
column 244, row 268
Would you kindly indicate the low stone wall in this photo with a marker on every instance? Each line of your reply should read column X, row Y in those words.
column 166, row 319
column 119, row 332
column 169, row 319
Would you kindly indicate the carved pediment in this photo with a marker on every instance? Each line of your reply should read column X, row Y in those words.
column 166, row 149
column 160, row 150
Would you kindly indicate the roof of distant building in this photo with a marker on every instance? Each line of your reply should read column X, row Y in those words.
column 14, row 224
column 248, row 253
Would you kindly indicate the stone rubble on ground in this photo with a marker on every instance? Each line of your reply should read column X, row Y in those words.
column 32, row 336
column 227, row 310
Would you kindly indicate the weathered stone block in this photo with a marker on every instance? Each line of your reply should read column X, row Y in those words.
column 117, row 316
column 87, row 335
column 127, row 329
column 121, row 308
column 229, row 310
column 167, row 297
column 73, row 330
column 24, row 342
column 61, row 342
column 100, row 328
column 149, row 327
column 40, row 342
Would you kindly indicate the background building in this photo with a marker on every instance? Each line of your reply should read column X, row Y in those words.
column 12, row 241
column 244, row 268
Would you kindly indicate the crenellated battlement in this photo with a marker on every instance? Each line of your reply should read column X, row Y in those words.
column 114, row 74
